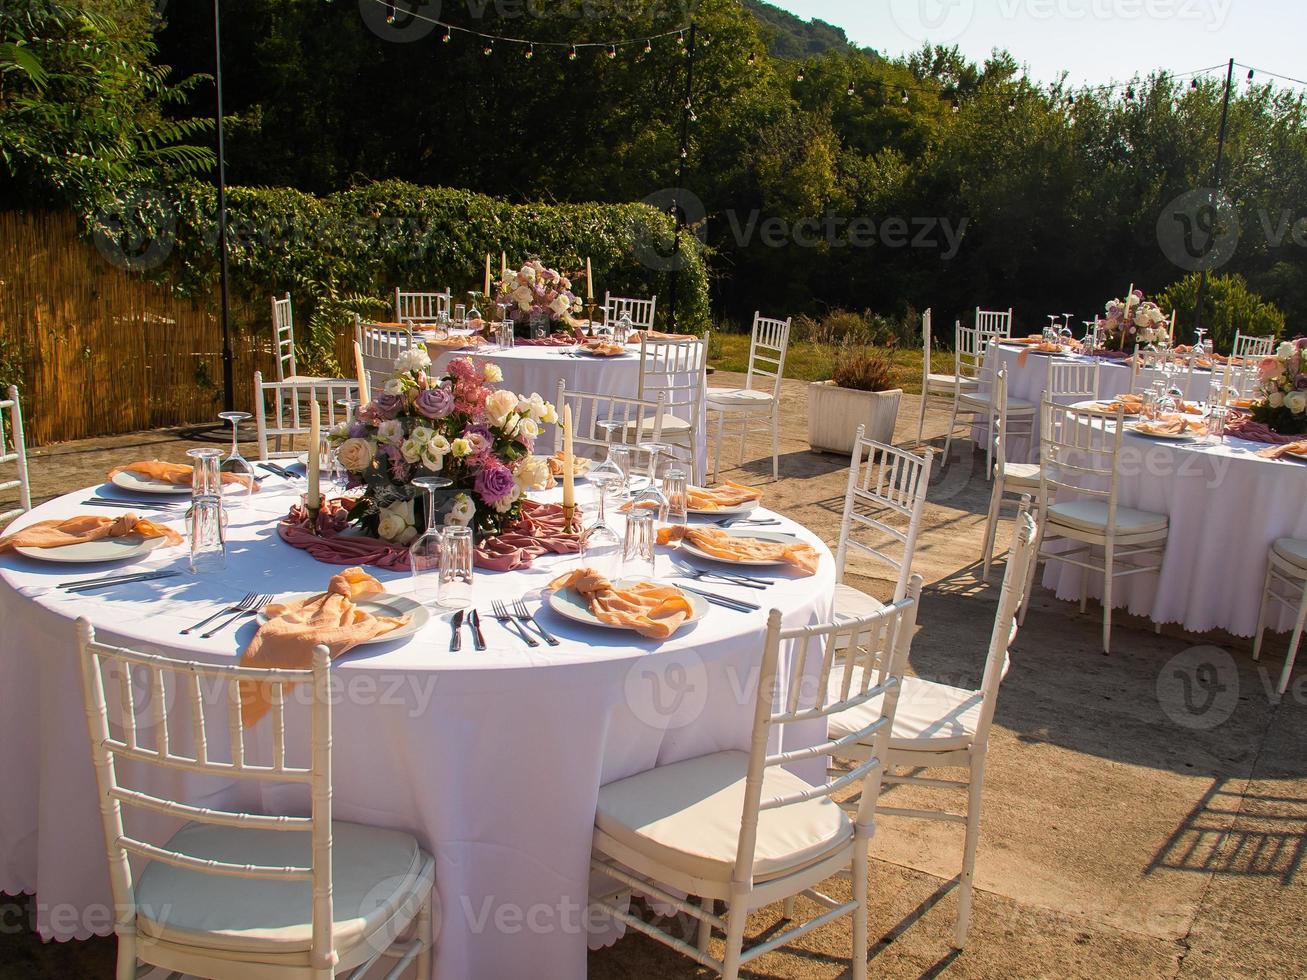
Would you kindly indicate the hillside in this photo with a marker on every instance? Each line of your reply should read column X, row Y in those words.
column 795, row 37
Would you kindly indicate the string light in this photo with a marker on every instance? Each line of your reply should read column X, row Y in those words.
column 449, row 36
column 903, row 96
column 1250, row 76
column 390, row 12
column 571, row 55
column 852, row 89
column 1194, row 85
column 648, row 47
column 800, row 77
column 612, row 52
column 489, row 49
column 1011, row 105
column 1130, row 94
column 753, row 59
column 956, row 107
column 530, row 52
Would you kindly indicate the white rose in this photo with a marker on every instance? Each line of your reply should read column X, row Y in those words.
column 1275, row 399
column 523, row 296
column 391, row 432
column 356, row 455
column 396, row 523
column 492, row 373
column 560, row 305
column 422, row 434
column 1296, row 402
column 462, row 512
column 435, row 462
column 411, row 450
column 528, row 273
column 551, row 415
column 534, row 474
column 394, row 387
column 414, row 359
column 499, row 405
column 439, row 445
column 1285, row 351
column 511, row 424
column 528, row 428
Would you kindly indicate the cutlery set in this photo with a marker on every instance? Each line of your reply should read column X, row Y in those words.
column 95, row 584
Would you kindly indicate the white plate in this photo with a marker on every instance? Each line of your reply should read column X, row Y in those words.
column 390, row 606
column 324, row 462
column 1094, row 406
column 127, row 480
column 106, row 549
column 1161, row 436
column 569, row 604
column 745, row 508
column 779, row 537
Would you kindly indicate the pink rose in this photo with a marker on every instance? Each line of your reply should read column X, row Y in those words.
column 1268, row 368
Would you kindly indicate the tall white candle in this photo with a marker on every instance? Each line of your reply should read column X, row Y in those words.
column 569, row 478
column 589, row 280
column 365, row 387
column 487, row 289
column 315, row 443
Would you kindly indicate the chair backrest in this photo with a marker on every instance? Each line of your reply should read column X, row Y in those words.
column 590, row 408
column 1243, row 378
column 679, row 370
column 926, row 343
column 281, row 408
column 13, row 449
column 381, row 346
column 283, row 330
column 1000, row 420
column 641, row 310
column 1078, row 454
column 421, row 307
column 188, row 720
column 1071, row 381
column 767, row 352
column 883, row 504
column 971, row 344
column 1245, row 346
column 877, row 650
column 994, row 323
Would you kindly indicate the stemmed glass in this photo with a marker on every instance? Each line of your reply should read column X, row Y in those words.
column 1091, row 334
column 339, row 479
column 424, row 554
column 1050, row 333
column 1200, row 332
column 652, row 497
column 601, row 548
column 236, row 463
column 611, row 463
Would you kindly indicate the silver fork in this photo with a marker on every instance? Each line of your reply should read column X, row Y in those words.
column 246, row 608
column 524, row 615
column 505, row 620
column 227, row 611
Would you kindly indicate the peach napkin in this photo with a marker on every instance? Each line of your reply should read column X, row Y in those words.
column 728, row 547
column 654, row 611
column 178, row 474
column 444, row 342
column 1041, row 348
column 580, row 465
column 721, row 498
column 1172, row 425
column 602, row 348
column 293, row 629
column 637, row 336
column 1289, row 449
column 88, row 527
column 1130, row 404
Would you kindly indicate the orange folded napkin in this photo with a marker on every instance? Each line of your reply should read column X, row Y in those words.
column 557, row 461
column 1298, row 448
column 1245, row 403
column 1130, row 404
column 178, row 474
column 654, row 611
column 716, row 542
column 1172, row 425
column 88, row 527
column 721, row 498
column 602, row 348
column 293, row 629
column 636, row 336
column 1043, row 347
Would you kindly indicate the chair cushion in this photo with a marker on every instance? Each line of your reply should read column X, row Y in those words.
column 671, row 424
column 939, row 381
column 983, row 398
column 1091, row 515
column 930, row 717
column 739, row 397
column 686, row 816
column 851, row 603
column 1021, row 475
column 1292, row 550
column 374, row 872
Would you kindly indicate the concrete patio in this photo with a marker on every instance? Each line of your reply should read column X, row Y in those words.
column 1124, row 833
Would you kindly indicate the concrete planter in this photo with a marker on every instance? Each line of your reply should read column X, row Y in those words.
column 835, row 413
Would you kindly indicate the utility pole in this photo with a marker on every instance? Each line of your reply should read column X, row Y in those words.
column 687, row 111
column 228, row 382
column 1216, row 182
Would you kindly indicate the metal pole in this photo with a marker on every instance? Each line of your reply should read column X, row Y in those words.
column 1220, row 157
column 687, row 109
column 228, row 382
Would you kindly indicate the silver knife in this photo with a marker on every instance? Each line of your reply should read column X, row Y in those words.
column 456, row 640
column 110, row 582
column 478, row 638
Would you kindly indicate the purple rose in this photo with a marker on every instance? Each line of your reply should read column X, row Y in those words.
column 393, row 454
column 494, row 483
column 357, row 430
column 1301, row 383
column 435, row 403
column 382, row 408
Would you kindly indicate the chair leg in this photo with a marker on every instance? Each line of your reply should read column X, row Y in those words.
column 787, row 908
column 717, row 455
column 1292, row 655
column 990, row 419
column 126, row 965
column 426, row 936
column 1034, row 566
column 921, row 418
column 952, row 424
column 1261, row 614
column 705, row 927
column 991, row 527
column 1107, row 596
column 966, row 881
column 859, row 959
column 736, row 918
column 776, row 445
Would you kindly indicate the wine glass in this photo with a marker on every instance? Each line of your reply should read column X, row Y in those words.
column 1200, row 333
column 1050, row 332
column 1091, row 334
column 424, row 554
column 651, row 497
column 601, row 548
column 236, row 463
column 339, row 478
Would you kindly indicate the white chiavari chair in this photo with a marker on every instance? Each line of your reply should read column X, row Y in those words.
column 234, row 895
column 380, row 347
column 282, row 412
column 1243, row 379
column 1246, row 346
column 421, row 307
column 973, row 397
column 757, row 406
column 1018, row 478
column 941, row 387
column 13, row 449
column 739, row 827
column 994, row 323
column 678, row 369
column 941, row 726
column 1071, row 381
column 641, row 311
column 1286, row 569
column 642, row 421
column 1079, row 509
column 883, row 505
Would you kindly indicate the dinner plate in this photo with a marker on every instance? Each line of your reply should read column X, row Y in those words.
column 1163, row 436
column 570, row 604
column 127, row 480
column 324, row 462
column 379, row 604
column 594, row 353
column 88, row 552
column 779, row 537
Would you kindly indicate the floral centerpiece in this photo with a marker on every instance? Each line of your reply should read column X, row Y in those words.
column 1131, row 322
column 535, row 291
column 1283, row 387
column 457, row 426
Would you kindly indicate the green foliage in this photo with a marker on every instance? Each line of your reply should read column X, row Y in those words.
column 794, row 37
column 843, row 328
column 1229, row 307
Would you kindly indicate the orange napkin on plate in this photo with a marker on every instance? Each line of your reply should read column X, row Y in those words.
column 654, row 611
column 728, row 547
column 88, row 527
column 637, row 336
column 1131, row 404
column 1042, row 347
column 580, row 465
column 727, row 495
column 1298, row 448
column 178, row 474
column 293, row 629
column 446, row 342
column 1172, row 425
column 602, row 348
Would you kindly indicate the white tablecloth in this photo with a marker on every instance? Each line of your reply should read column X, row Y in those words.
column 493, row 760
column 1226, row 506
column 539, row 369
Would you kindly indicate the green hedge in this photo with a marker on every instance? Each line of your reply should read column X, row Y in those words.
column 334, row 253
column 1229, row 307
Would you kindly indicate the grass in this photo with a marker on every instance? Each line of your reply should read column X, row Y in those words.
column 815, row 362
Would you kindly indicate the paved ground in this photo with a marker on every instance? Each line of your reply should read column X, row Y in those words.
column 1117, row 840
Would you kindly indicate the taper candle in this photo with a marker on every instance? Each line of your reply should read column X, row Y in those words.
column 365, row 388
column 487, row 289
column 315, row 453
column 589, row 280
column 569, row 478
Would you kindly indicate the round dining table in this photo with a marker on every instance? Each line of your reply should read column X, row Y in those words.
column 493, row 760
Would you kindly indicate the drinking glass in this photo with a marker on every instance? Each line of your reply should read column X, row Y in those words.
column 622, row 332
column 1200, row 332
column 460, row 314
column 206, row 479
column 1217, row 416
column 676, row 486
column 506, row 335
column 442, row 320
column 456, row 568
column 651, row 497
column 425, row 553
column 601, row 548
column 235, row 463
column 638, row 552
column 621, row 456
column 1091, row 334
column 208, row 538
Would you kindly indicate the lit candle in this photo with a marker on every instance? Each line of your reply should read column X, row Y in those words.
column 569, row 479
column 487, row 289
column 1173, row 328
column 365, row 389
column 315, row 450
column 589, row 280
column 503, row 265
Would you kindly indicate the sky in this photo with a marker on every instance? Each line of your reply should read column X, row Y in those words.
column 1095, row 41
